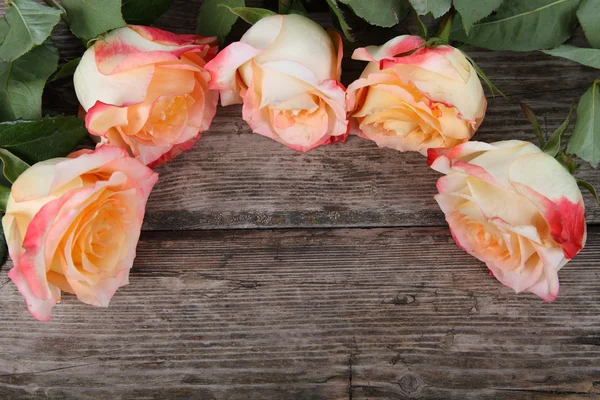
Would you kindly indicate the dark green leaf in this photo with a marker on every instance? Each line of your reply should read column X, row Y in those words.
column 493, row 89
column 292, row 7
column 91, row 18
column 22, row 82
column 385, row 13
column 3, row 247
column 25, row 25
column 4, row 27
column 552, row 146
column 250, row 14
column 217, row 21
column 144, row 12
column 298, row 8
column 585, row 140
column 35, row 141
column 13, row 166
column 436, row 7
column 284, row 6
column 520, row 25
column 587, row 57
column 66, row 70
column 473, row 11
column 586, row 185
column 534, row 122
column 588, row 15
column 4, row 195
column 339, row 15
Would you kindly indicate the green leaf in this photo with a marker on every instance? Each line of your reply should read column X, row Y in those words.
column 520, row 25
column 13, row 166
column 4, row 195
column 553, row 145
column 534, row 122
column 284, row 6
column 493, row 89
column 292, row 7
column 4, row 27
column 22, row 82
column 144, row 12
column 385, row 13
column 473, row 11
column 587, row 57
column 217, row 21
column 588, row 15
column 25, row 25
column 586, row 185
column 250, row 14
column 35, row 141
column 3, row 247
column 585, row 139
column 436, row 7
column 91, row 18
column 339, row 15
column 66, row 70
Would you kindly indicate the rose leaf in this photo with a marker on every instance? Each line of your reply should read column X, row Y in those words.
column 585, row 139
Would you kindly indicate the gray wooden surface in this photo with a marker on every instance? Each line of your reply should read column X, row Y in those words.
column 269, row 274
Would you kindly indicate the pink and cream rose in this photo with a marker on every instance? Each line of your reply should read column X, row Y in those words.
column 412, row 98
column 513, row 207
column 146, row 90
column 72, row 225
column 286, row 71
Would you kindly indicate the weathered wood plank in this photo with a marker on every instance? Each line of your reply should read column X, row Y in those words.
column 309, row 314
column 236, row 179
column 241, row 180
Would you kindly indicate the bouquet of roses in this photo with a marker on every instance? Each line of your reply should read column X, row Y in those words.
column 72, row 219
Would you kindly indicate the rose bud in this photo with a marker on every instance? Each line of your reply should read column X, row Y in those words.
column 146, row 90
column 72, row 225
column 286, row 71
column 513, row 207
column 413, row 101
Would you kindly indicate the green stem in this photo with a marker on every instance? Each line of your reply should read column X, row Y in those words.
column 443, row 31
column 54, row 4
column 423, row 32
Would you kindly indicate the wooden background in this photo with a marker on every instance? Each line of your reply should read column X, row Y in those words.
column 264, row 273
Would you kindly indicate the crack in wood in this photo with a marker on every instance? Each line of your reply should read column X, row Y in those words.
column 45, row 370
column 548, row 391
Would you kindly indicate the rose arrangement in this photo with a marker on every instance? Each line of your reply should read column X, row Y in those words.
column 72, row 223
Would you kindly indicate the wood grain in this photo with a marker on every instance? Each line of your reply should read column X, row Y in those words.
column 309, row 314
column 396, row 311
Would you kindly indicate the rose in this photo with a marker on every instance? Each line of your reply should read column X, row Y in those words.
column 146, row 90
column 72, row 224
column 514, row 208
column 286, row 71
column 411, row 97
